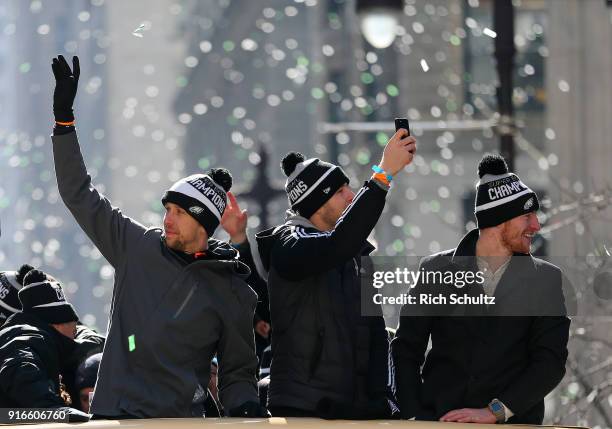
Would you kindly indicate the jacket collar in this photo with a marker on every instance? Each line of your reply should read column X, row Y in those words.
column 467, row 245
column 216, row 250
column 219, row 252
column 293, row 219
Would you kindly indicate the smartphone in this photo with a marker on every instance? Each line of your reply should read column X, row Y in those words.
column 402, row 123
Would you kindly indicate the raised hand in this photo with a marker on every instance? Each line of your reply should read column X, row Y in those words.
column 234, row 220
column 398, row 153
column 66, row 82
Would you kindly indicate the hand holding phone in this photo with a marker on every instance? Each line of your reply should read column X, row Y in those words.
column 399, row 151
column 402, row 123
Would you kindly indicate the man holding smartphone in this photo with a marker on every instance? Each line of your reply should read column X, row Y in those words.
column 328, row 360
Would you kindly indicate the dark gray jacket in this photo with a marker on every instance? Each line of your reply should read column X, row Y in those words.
column 479, row 354
column 168, row 318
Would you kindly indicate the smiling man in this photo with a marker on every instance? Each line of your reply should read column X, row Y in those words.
column 486, row 366
column 179, row 296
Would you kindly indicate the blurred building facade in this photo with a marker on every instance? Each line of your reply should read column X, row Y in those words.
column 36, row 226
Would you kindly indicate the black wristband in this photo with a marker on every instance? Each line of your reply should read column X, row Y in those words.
column 60, row 130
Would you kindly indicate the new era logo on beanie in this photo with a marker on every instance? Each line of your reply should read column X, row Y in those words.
column 45, row 299
column 203, row 196
column 310, row 183
column 500, row 194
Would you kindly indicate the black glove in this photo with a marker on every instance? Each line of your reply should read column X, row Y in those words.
column 74, row 415
column 249, row 409
column 66, row 82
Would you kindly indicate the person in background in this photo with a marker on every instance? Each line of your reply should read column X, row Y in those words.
column 234, row 222
column 36, row 345
column 87, row 340
column 85, row 379
column 264, row 375
column 88, row 343
column 10, row 283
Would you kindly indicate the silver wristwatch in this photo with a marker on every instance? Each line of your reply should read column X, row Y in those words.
column 498, row 410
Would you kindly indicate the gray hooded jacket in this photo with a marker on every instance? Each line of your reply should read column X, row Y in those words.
column 168, row 318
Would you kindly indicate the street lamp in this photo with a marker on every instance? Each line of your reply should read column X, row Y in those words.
column 378, row 20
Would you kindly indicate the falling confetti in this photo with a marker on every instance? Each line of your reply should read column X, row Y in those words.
column 488, row 32
column 138, row 31
column 424, row 65
column 564, row 86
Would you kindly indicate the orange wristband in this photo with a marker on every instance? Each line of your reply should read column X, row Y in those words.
column 66, row 124
column 381, row 177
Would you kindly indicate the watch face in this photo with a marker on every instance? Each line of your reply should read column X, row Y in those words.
column 496, row 407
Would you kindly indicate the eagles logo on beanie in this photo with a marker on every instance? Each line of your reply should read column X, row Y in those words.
column 501, row 195
column 45, row 299
column 10, row 283
column 310, row 183
column 203, row 196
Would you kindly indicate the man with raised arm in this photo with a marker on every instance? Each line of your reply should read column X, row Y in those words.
column 328, row 359
column 179, row 296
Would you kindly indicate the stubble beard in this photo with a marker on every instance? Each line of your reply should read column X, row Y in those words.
column 515, row 244
column 175, row 244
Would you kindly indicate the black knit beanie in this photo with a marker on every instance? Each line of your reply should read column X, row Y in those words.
column 501, row 195
column 45, row 299
column 203, row 196
column 310, row 183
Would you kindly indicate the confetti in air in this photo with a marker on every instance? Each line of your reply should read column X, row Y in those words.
column 488, row 32
column 424, row 65
column 138, row 32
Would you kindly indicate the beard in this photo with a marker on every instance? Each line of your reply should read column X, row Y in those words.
column 516, row 241
column 175, row 243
